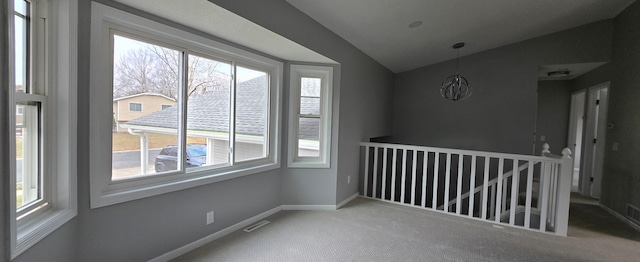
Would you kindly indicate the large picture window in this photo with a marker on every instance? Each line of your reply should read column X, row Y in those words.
column 204, row 111
column 310, row 116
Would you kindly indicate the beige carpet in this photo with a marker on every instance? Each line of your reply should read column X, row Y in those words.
column 369, row 230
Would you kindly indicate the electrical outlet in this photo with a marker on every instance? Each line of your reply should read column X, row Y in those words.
column 543, row 138
column 209, row 217
column 614, row 147
column 348, row 179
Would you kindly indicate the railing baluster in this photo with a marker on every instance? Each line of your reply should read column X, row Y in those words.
column 425, row 157
column 493, row 201
column 527, row 205
column 366, row 170
column 413, row 177
column 447, row 178
column 393, row 174
column 472, row 185
column 459, row 184
column 553, row 198
column 384, row 173
column 515, row 183
column 436, row 172
column 485, row 186
column 544, row 179
column 375, row 173
column 404, row 175
column 499, row 189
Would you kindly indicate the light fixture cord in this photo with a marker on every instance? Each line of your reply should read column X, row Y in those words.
column 457, row 59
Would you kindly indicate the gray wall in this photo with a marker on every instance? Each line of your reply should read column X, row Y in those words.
column 500, row 115
column 621, row 177
column 554, row 106
column 362, row 103
column 143, row 229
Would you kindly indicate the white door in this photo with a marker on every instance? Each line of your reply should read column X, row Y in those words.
column 594, row 145
column 576, row 128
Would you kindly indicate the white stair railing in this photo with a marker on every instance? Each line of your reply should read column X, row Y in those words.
column 480, row 185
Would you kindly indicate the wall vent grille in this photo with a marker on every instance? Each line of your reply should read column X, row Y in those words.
column 633, row 214
column 256, row 226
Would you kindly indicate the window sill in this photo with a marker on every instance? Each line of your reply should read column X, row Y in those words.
column 35, row 228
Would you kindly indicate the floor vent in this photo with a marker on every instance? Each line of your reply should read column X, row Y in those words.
column 633, row 214
column 256, row 226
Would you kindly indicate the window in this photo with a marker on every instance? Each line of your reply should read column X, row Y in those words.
column 310, row 116
column 135, row 107
column 224, row 123
column 44, row 102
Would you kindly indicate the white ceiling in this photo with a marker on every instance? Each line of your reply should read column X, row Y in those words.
column 204, row 16
column 380, row 28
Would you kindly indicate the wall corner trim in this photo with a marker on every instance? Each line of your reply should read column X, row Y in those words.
column 621, row 217
column 219, row 234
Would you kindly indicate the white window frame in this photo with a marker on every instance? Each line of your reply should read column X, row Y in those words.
column 325, row 73
column 132, row 103
column 56, row 73
column 104, row 190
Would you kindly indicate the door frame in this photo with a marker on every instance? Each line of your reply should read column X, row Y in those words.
column 593, row 153
column 573, row 141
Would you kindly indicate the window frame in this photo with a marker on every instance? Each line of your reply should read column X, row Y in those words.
column 104, row 190
column 325, row 73
column 54, row 76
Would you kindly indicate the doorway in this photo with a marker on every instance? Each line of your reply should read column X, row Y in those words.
column 591, row 157
column 576, row 128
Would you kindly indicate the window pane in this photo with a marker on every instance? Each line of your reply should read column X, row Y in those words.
column 21, row 6
column 21, row 46
column 310, row 105
column 310, row 87
column 252, row 103
column 309, row 137
column 208, row 112
column 28, row 178
column 144, row 136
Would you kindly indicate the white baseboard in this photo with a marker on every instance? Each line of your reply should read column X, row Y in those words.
column 309, row 207
column 203, row 241
column 344, row 202
column 621, row 217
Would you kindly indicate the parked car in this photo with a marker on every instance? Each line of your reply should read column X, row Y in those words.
column 167, row 159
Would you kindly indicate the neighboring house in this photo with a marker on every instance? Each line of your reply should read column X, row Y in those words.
column 134, row 106
column 208, row 117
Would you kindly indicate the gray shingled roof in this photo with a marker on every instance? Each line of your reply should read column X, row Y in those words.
column 210, row 112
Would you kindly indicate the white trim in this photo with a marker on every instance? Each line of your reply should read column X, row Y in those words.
column 208, row 239
column 346, row 201
column 60, row 135
column 105, row 191
column 325, row 73
column 621, row 217
column 309, row 207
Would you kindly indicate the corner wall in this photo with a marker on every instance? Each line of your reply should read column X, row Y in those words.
column 363, row 100
column 621, row 176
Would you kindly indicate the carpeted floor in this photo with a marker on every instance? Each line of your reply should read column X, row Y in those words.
column 369, row 230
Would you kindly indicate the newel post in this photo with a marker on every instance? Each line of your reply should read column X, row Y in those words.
column 564, row 193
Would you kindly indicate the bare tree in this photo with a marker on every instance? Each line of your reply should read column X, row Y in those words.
column 155, row 69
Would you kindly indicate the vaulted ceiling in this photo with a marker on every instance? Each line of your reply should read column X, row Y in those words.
column 380, row 28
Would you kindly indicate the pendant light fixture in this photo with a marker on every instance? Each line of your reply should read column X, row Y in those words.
column 456, row 87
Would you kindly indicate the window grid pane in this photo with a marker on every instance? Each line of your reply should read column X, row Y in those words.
column 22, row 51
column 28, row 144
column 252, row 121
column 208, row 112
column 145, row 111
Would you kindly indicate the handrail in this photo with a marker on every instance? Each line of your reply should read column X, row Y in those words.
column 459, row 151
